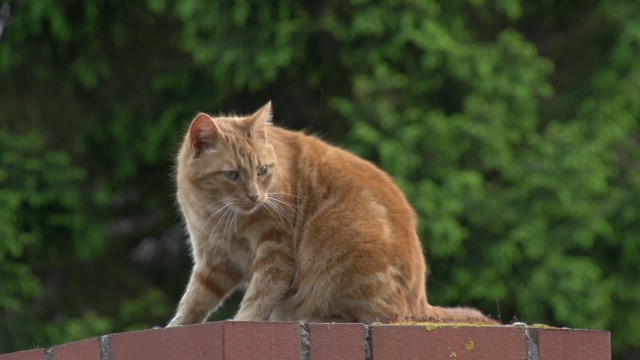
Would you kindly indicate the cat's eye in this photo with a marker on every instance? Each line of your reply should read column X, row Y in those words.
column 262, row 171
column 232, row 174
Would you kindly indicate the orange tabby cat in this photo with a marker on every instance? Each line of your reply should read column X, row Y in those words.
column 313, row 232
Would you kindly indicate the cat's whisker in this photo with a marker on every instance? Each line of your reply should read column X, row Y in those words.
column 286, row 203
column 230, row 224
column 234, row 221
column 268, row 205
column 285, row 193
column 224, row 233
column 283, row 215
column 295, row 207
column 281, row 195
column 229, row 208
column 226, row 207
column 210, row 217
column 277, row 203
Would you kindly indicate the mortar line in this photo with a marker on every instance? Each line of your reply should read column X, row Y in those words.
column 48, row 355
column 367, row 342
column 532, row 347
column 105, row 354
column 305, row 345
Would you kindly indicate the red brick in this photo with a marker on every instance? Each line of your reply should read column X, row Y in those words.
column 35, row 354
column 563, row 344
column 336, row 341
column 202, row 341
column 261, row 340
column 220, row 340
column 447, row 342
column 88, row 349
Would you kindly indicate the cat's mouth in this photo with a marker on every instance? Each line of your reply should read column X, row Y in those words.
column 249, row 207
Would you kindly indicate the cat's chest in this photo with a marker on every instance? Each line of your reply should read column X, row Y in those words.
column 232, row 237
column 239, row 237
column 248, row 233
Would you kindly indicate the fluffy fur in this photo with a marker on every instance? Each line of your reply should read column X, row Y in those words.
column 313, row 232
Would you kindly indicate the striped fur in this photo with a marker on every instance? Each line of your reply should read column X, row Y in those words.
column 321, row 235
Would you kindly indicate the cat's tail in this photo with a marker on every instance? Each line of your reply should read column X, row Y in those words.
column 459, row 315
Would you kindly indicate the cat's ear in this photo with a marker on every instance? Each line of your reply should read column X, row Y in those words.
column 260, row 120
column 204, row 134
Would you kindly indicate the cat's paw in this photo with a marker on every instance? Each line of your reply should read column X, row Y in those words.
column 247, row 317
column 174, row 323
column 236, row 319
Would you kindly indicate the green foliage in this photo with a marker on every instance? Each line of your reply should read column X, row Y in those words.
column 42, row 225
column 33, row 183
column 512, row 126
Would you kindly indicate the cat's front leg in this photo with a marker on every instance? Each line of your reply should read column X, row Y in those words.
column 207, row 288
column 274, row 268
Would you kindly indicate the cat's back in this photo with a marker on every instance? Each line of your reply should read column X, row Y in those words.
column 317, row 157
column 324, row 172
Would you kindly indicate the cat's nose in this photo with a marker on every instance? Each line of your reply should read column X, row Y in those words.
column 252, row 197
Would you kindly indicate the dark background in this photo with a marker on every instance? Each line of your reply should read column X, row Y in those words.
column 513, row 127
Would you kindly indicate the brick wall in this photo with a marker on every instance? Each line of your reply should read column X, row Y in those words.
column 291, row 341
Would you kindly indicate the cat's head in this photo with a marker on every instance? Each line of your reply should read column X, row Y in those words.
column 229, row 160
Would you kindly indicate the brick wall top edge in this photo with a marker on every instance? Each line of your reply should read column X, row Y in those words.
column 33, row 354
column 435, row 326
column 289, row 336
column 204, row 325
